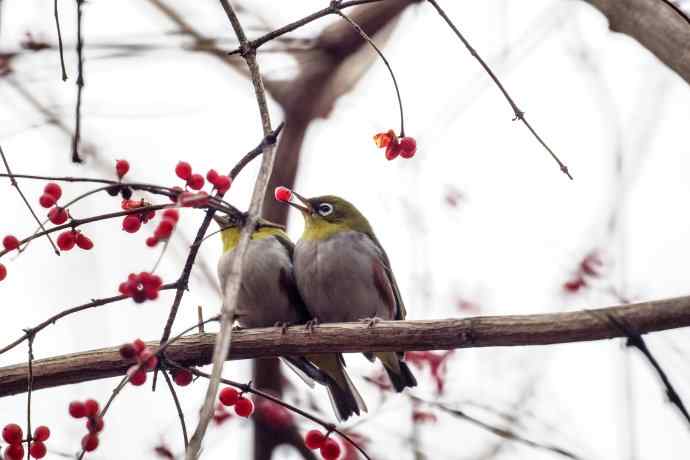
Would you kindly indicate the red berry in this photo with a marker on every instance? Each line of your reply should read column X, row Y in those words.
column 408, row 147
column 392, row 151
column 222, row 184
column 121, row 167
column 66, row 240
column 282, row 194
column 89, row 442
column 151, row 241
column 58, row 215
column 14, row 452
column 574, row 285
column 92, row 407
column 229, row 396
column 330, row 449
column 131, row 223
column 46, row 200
column 314, row 439
column 42, row 433
column 37, row 449
column 139, row 346
column 212, row 175
column 182, row 377
column 137, row 375
column 53, row 190
column 384, row 139
column 244, row 407
column 183, row 170
column 164, row 229
column 10, row 242
column 12, row 433
column 77, row 409
column 3, row 272
column 196, row 181
column 127, row 351
column 95, row 424
column 84, row 241
column 171, row 214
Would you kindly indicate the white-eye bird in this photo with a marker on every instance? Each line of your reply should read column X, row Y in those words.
column 268, row 297
column 343, row 273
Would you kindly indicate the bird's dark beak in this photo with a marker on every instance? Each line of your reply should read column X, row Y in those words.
column 306, row 209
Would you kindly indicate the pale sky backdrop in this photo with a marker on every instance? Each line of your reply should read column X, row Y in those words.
column 517, row 234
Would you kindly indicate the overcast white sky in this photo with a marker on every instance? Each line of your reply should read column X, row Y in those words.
column 517, row 234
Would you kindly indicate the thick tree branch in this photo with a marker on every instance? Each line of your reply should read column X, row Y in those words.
column 656, row 25
column 487, row 331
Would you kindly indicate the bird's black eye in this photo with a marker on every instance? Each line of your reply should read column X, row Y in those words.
column 325, row 209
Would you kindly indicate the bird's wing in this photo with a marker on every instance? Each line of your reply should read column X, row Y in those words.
column 287, row 281
column 400, row 312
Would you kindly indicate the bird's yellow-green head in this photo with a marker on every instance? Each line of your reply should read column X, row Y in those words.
column 231, row 227
column 324, row 216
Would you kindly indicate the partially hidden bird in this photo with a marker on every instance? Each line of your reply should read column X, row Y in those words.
column 343, row 273
column 268, row 297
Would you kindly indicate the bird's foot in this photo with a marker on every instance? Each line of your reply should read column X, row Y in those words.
column 311, row 324
column 371, row 322
column 283, row 325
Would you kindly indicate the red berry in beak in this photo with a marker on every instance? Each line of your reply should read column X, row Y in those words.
column 283, row 194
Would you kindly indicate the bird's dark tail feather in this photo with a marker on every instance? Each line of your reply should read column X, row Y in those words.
column 403, row 379
column 345, row 401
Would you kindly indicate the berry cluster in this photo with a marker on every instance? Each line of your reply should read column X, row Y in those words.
column 121, row 168
column 88, row 409
column 406, row 147
column 283, row 194
column 132, row 222
column 13, row 435
column 184, row 172
column 165, row 227
column 51, row 194
column 231, row 397
column 329, row 447
column 146, row 360
column 141, row 287
column 69, row 238
column 220, row 183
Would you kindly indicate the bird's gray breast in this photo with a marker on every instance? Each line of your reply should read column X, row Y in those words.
column 335, row 277
column 263, row 298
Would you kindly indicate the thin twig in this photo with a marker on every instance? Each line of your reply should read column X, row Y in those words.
column 14, row 183
column 29, row 389
column 519, row 114
column 332, row 8
column 635, row 340
column 57, row 25
column 180, row 414
column 502, row 432
column 80, row 86
column 368, row 39
column 223, row 339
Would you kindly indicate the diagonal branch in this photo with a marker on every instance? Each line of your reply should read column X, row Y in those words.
column 486, row 331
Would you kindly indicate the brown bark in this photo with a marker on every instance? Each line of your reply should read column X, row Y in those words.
column 655, row 24
column 487, row 331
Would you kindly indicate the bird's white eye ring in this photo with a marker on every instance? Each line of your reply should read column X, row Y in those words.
column 325, row 209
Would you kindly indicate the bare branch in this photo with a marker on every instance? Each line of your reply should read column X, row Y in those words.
column 487, row 331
